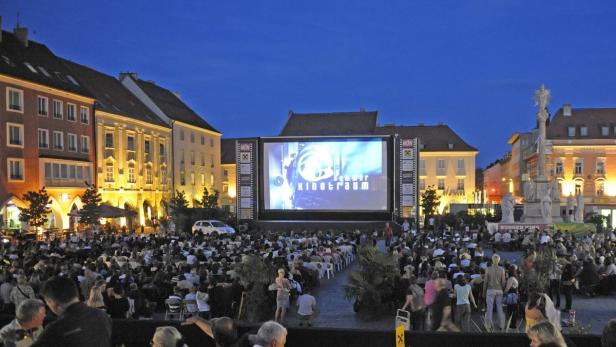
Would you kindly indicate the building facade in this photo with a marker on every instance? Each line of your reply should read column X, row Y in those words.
column 229, row 174
column 195, row 162
column 132, row 148
column 446, row 162
column 46, row 131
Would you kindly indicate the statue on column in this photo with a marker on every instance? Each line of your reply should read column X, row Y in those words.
column 507, row 209
column 555, row 190
column 579, row 211
column 546, row 206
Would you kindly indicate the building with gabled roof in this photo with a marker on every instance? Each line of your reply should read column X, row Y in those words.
column 195, row 158
column 132, row 146
column 330, row 124
column 46, row 131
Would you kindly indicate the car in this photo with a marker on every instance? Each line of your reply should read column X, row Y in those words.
column 212, row 226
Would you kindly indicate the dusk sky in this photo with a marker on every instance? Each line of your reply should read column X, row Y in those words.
column 243, row 65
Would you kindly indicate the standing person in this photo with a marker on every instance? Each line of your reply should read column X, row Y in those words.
column 415, row 299
column 118, row 304
column 511, row 296
column 22, row 291
column 203, row 302
column 27, row 325
column 77, row 324
column 555, row 277
column 464, row 297
column 406, row 227
column 307, row 305
column 283, row 288
column 568, row 282
column 493, row 292
column 387, row 234
column 441, row 307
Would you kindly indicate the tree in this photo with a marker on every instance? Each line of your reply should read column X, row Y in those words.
column 429, row 202
column 178, row 201
column 178, row 205
column 209, row 200
column 38, row 208
column 91, row 198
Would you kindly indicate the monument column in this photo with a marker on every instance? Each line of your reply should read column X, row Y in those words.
column 542, row 97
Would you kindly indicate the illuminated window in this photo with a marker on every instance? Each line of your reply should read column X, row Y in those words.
column 58, row 140
column 182, row 178
column 203, row 179
column 163, row 175
column 225, row 188
column 579, row 167
column 440, row 184
column 579, row 187
column 71, row 112
column 72, row 142
column 58, row 111
column 43, row 137
column 559, row 167
column 211, row 179
column 600, row 167
column 109, row 172
column 85, row 144
column 422, row 184
column 148, row 175
column 131, row 173
column 15, row 134
column 16, row 169
column 108, row 140
column 192, row 178
column 599, row 187
column 460, row 184
column 84, row 115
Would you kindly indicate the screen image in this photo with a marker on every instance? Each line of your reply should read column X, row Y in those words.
column 340, row 174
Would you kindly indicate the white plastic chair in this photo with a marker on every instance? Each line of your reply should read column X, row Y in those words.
column 174, row 308
column 329, row 270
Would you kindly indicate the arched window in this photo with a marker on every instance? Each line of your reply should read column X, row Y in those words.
column 579, row 186
column 599, row 187
column 131, row 173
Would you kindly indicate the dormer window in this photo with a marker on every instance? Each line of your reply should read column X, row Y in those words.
column 571, row 131
column 450, row 145
column 583, row 131
column 605, row 131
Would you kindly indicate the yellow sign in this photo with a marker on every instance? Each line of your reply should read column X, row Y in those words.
column 400, row 336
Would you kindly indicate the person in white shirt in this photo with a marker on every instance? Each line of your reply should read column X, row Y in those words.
column 307, row 305
column 191, row 301
column 545, row 238
column 203, row 302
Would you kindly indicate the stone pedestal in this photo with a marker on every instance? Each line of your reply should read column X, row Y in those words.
column 532, row 209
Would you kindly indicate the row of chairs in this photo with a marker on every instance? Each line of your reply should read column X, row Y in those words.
column 180, row 309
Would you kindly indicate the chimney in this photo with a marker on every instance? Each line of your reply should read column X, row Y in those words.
column 567, row 110
column 22, row 35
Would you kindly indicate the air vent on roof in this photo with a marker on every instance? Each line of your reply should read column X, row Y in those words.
column 44, row 71
column 450, row 145
column 30, row 67
column 70, row 78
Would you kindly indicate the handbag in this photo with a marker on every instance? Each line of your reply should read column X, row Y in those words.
column 510, row 299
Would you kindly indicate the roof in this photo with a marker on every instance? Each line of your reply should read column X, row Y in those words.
column 47, row 69
column 172, row 106
column 432, row 137
column 111, row 95
column 330, row 124
column 227, row 151
column 592, row 118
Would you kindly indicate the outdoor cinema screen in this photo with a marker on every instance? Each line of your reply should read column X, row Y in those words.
column 341, row 174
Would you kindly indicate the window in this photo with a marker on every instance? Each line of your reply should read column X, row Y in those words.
column 571, row 131
column 43, row 138
column 192, row 157
column 202, row 140
column 130, row 143
column 85, row 144
column 57, row 109
column 58, row 140
column 181, row 135
column 450, row 145
column 84, row 114
column 422, row 184
column 44, row 71
column 148, row 175
column 211, row 179
column 30, row 67
column 579, row 167
column 16, row 169
column 203, row 180
column 131, row 173
column 211, row 160
column 109, row 172
column 460, row 185
column 15, row 99
column 440, row 184
column 192, row 178
column 584, row 131
column 225, row 173
column 579, row 187
column 182, row 156
column 599, row 187
column 422, row 167
column 605, row 131
column 15, row 135
column 182, row 178
column 202, row 159
column 461, row 164
column 108, row 140
column 43, row 106
column 440, row 167
column 211, row 142
column 441, row 164
column 72, row 142
column 71, row 112
column 147, row 150
column 559, row 167
column 225, row 188
column 192, row 137
column 161, row 149
column 600, row 167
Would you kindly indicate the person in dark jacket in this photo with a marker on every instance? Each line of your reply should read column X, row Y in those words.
column 77, row 324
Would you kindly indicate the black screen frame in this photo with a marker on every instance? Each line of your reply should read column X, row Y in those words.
column 324, row 215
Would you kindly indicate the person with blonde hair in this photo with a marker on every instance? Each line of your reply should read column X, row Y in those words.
column 167, row 336
column 283, row 288
column 95, row 299
column 493, row 286
column 543, row 333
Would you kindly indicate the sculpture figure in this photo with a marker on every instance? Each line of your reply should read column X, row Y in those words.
column 555, row 191
column 546, row 206
column 529, row 190
column 507, row 209
column 569, row 213
column 579, row 211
